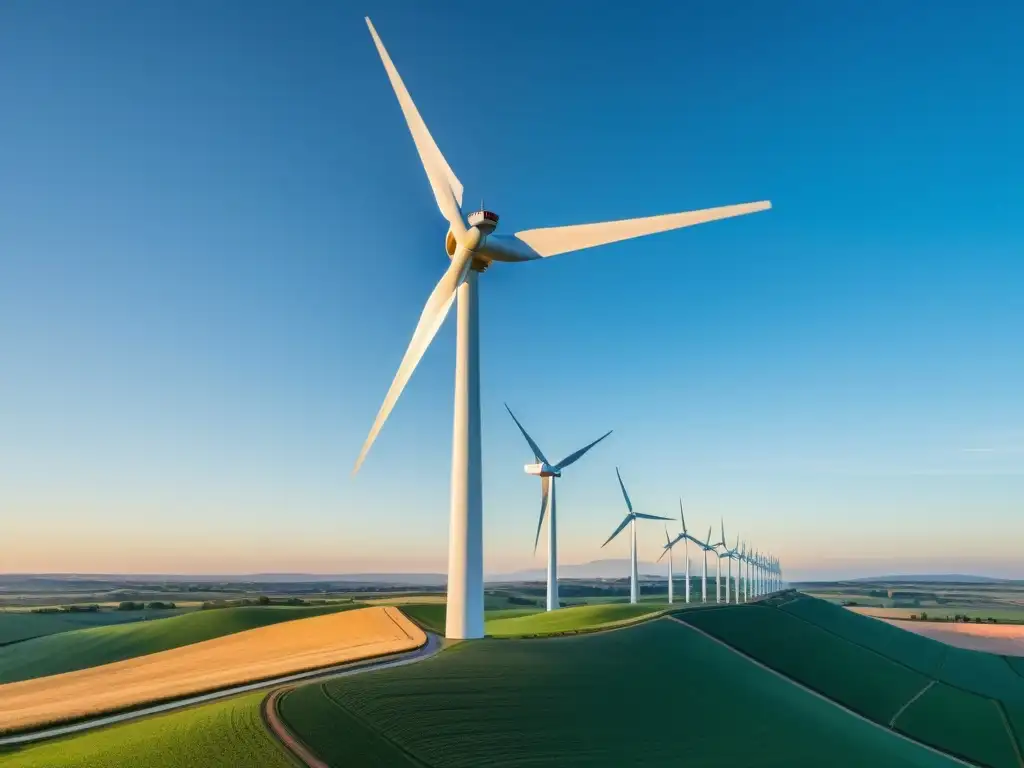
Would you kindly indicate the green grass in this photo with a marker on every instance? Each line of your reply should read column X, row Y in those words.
column 430, row 617
column 1017, row 663
column 225, row 734
column 638, row 697
column 983, row 673
column 962, row 724
column 83, row 648
column 856, row 677
column 17, row 626
column 575, row 619
column 915, row 651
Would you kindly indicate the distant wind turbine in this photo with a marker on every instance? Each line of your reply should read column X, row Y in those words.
column 730, row 555
column 547, row 473
column 630, row 520
column 667, row 549
column 707, row 546
column 687, row 538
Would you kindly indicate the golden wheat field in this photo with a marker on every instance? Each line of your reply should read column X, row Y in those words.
column 256, row 654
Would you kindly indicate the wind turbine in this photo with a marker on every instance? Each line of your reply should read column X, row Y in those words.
column 687, row 538
column 707, row 546
column 472, row 247
column 630, row 520
column 747, row 553
column 730, row 555
column 547, row 473
column 669, row 543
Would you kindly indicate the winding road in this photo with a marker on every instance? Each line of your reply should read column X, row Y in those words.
column 432, row 646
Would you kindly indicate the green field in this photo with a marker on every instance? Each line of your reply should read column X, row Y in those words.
column 606, row 699
column 565, row 620
column 226, row 734
column 520, row 622
column 16, row 626
column 856, row 677
column 975, row 708
column 83, row 648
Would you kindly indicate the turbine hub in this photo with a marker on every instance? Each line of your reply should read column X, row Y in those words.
column 485, row 221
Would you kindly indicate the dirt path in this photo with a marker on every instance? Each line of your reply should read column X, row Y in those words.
column 291, row 742
column 814, row 693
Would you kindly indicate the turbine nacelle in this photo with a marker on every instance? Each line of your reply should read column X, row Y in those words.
column 543, row 469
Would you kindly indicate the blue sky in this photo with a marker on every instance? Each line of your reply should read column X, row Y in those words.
column 216, row 239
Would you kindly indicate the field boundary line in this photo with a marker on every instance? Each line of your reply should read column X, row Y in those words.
column 293, row 746
column 911, row 700
column 822, row 696
column 1009, row 731
column 413, row 758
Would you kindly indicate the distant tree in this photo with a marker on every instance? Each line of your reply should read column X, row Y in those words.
column 977, row 619
column 264, row 600
column 924, row 616
column 158, row 605
column 128, row 605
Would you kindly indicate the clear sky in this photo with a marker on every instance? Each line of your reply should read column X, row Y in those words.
column 216, row 240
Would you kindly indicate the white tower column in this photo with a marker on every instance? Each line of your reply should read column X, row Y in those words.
column 464, row 617
column 633, row 585
column 670, row 576
column 552, row 551
column 728, row 578
column 718, row 578
column 686, row 549
column 704, row 579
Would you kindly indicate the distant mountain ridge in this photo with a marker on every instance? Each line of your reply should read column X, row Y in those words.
column 950, row 578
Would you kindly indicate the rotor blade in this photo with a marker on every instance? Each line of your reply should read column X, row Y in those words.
column 573, row 457
column 545, row 485
column 629, row 504
column 618, row 530
column 533, row 446
column 664, row 551
column 447, row 188
column 681, row 518
column 723, row 532
column 668, row 541
column 551, row 241
column 651, row 517
column 433, row 315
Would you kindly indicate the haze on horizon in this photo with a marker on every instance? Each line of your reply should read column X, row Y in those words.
column 215, row 241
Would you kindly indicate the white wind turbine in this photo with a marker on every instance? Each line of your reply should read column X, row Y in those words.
column 687, row 538
column 707, row 546
column 472, row 248
column 667, row 549
column 730, row 555
column 746, row 575
column 547, row 473
column 630, row 520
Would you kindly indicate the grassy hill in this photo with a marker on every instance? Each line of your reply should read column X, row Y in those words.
column 82, row 648
column 226, row 734
column 967, row 703
column 607, row 699
column 565, row 620
column 17, row 626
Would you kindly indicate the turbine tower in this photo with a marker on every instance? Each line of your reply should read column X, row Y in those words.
column 630, row 520
column 746, row 576
column 669, row 543
column 707, row 546
column 547, row 473
column 472, row 247
column 730, row 555
column 687, row 538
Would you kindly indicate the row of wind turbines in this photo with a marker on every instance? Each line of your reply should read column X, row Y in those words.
column 472, row 247
column 757, row 573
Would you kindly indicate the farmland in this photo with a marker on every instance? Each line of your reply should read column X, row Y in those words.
column 242, row 657
column 580, row 618
column 225, row 734
column 20, row 625
column 83, row 648
column 970, row 702
column 471, row 705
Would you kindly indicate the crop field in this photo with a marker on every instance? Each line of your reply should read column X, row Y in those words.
column 1007, row 639
column 857, row 678
column 973, row 707
column 962, row 724
column 16, row 626
column 575, row 701
column 564, row 620
column 83, row 648
column 224, row 734
column 918, row 653
column 255, row 654
column 1009, row 614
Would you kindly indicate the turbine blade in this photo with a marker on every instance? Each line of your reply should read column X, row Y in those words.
column 668, row 541
column 618, row 530
column 681, row 518
column 572, row 458
column 538, row 454
column 651, row 517
column 629, row 504
column 545, row 486
column 664, row 551
column 551, row 241
column 446, row 186
column 433, row 315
